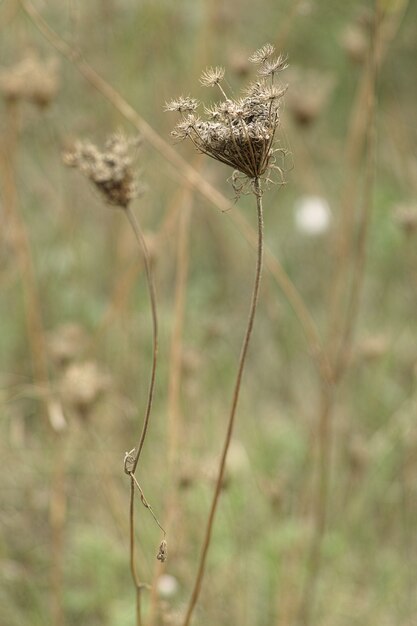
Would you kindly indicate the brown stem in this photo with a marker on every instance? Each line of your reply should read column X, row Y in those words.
column 142, row 244
column 151, row 287
column 359, row 126
column 324, row 445
column 133, row 570
column 339, row 361
column 232, row 415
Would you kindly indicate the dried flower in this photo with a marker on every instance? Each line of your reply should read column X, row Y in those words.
column 31, row 80
column 162, row 552
column 310, row 92
column 183, row 105
column 82, row 384
column 261, row 55
column 269, row 68
column 237, row 132
column 66, row 342
column 110, row 170
column 212, row 76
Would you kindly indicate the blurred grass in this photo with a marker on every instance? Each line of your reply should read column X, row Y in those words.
column 150, row 53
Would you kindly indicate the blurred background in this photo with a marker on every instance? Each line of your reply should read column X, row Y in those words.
column 316, row 523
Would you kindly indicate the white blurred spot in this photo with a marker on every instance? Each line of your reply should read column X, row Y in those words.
column 312, row 215
column 167, row 586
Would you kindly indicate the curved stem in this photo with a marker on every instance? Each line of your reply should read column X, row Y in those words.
column 151, row 287
column 142, row 243
column 232, row 415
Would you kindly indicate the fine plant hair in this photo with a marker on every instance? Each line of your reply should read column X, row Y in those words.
column 111, row 171
column 240, row 133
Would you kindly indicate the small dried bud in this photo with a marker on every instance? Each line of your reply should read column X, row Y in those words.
column 185, row 127
column 269, row 68
column 163, row 552
column 182, row 105
column 110, row 170
column 212, row 76
column 355, row 43
column 406, row 217
column 261, row 55
column 81, row 386
column 31, row 80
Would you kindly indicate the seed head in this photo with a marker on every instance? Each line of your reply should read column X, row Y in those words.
column 110, row 170
column 212, row 76
column 261, row 55
column 238, row 132
column 31, row 79
column 269, row 68
column 182, row 105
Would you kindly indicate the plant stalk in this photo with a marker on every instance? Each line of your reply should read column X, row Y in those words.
column 232, row 415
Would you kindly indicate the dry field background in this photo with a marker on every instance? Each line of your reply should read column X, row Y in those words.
column 317, row 517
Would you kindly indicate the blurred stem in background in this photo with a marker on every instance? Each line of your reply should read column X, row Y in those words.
column 175, row 419
column 51, row 408
column 351, row 257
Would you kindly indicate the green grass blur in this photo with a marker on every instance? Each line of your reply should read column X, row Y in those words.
column 151, row 52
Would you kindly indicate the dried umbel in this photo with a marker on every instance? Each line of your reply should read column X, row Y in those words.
column 310, row 92
column 111, row 170
column 238, row 132
column 32, row 80
column 81, row 386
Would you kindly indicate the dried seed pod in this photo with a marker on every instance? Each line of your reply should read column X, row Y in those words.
column 32, row 80
column 237, row 132
column 111, row 169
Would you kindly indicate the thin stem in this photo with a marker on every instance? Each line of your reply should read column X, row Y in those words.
column 149, row 278
column 151, row 287
column 339, row 363
column 132, row 550
column 232, row 415
column 146, row 503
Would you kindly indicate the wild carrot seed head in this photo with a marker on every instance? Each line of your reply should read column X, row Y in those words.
column 111, row 169
column 238, row 132
column 212, row 76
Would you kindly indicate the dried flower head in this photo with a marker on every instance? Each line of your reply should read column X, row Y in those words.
column 261, row 55
column 66, row 342
column 238, row 132
column 182, row 105
column 272, row 67
column 212, row 76
column 32, row 80
column 81, row 386
column 110, row 170
column 162, row 552
column 310, row 92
